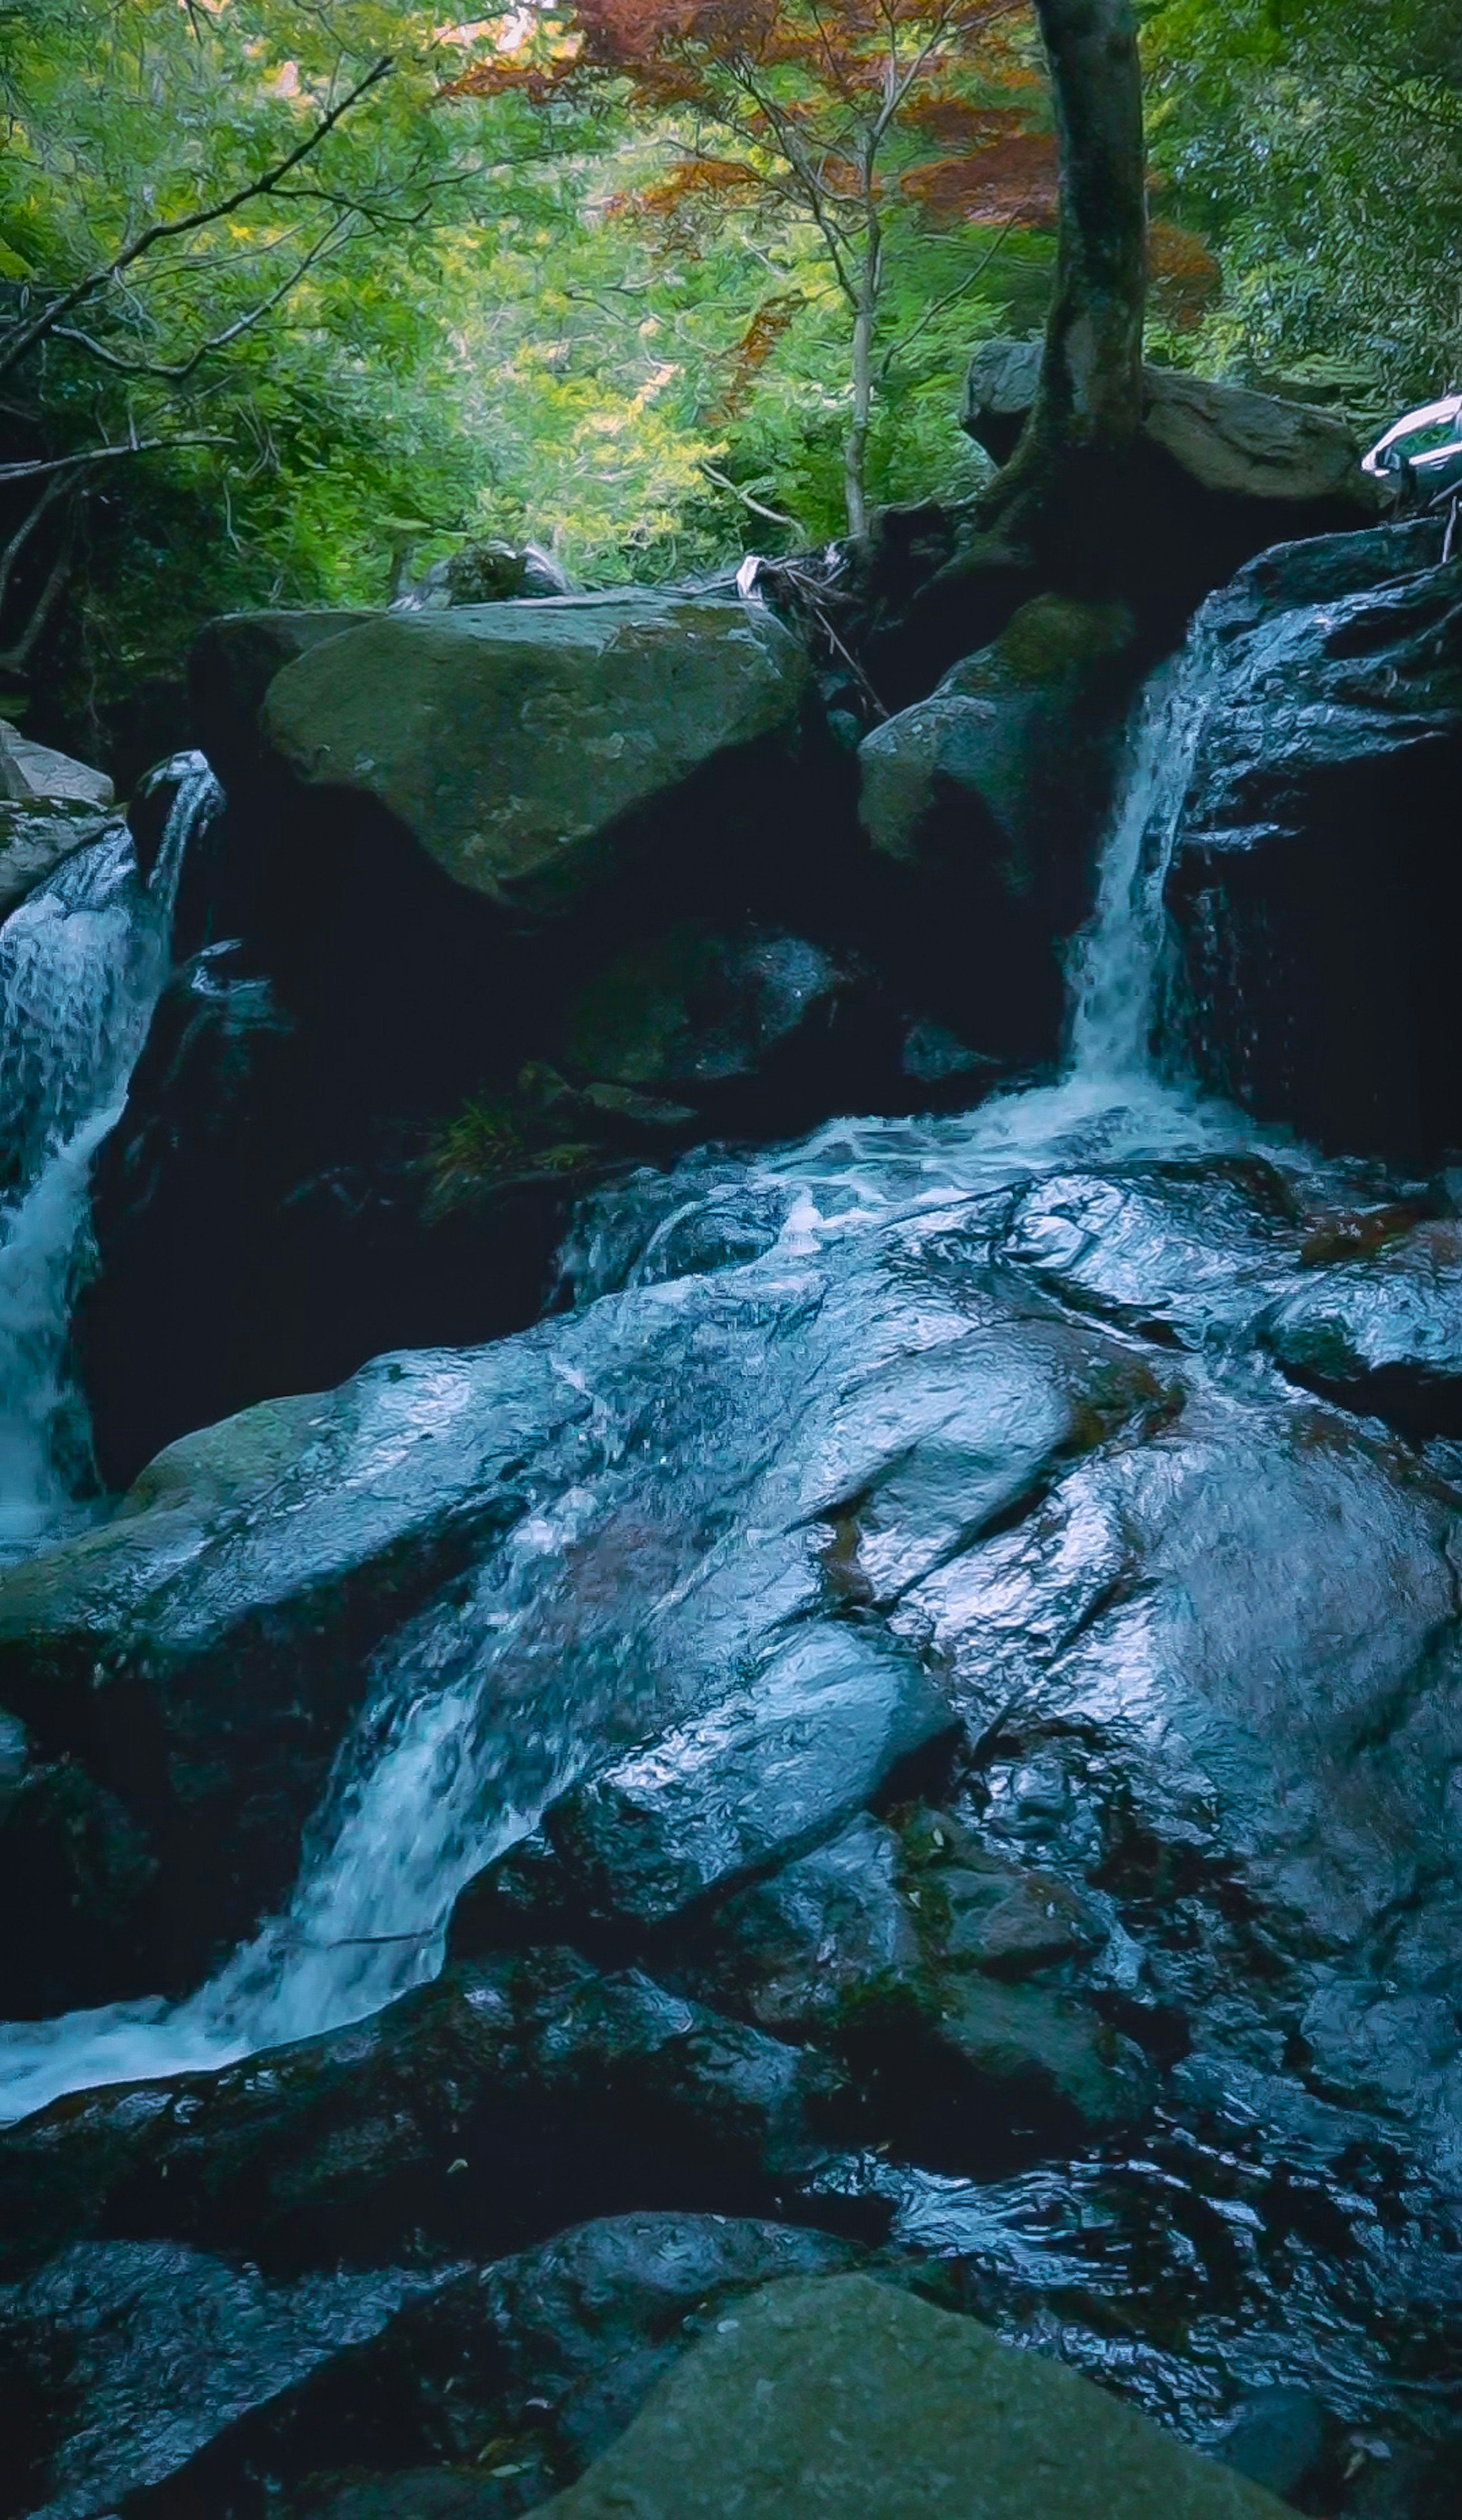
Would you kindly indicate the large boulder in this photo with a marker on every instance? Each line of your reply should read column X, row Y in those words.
column 530, row 748
column 1224, row 438
column 507, row 2378
column 1218, row 474
column 848, row 2399
column 28, row 769
column 1312, row 880
column 479, row 2113
column 984, row 804
column 233, row 662
column 200, row 1654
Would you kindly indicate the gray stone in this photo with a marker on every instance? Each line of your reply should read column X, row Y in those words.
column 35, row 836
column 987, row 798
column 1381, row 1334
column 234, row 661
column 524, row 746
column 833, row 1715
column 849, row 2399
column 44, row 772
column 1313, row 883
column 1224, row 438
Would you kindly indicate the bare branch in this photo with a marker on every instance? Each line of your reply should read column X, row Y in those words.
column 960, row 288
column 181, row 370
column 28, row 335
column 16, row 659
column 107, row 454
column 723, row 482
column 55, row 489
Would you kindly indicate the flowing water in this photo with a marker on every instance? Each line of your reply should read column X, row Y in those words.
column 81, row 962
column 437, row 1777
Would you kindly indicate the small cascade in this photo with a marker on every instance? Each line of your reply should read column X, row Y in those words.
column 471, row 1723
column 81, row 962
column 1117, row 997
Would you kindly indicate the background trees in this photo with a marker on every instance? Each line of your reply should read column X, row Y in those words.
column 860, row 124
column 649, row 281
column 1319, row 148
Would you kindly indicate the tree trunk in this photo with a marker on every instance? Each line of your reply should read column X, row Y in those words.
column 1088, row 404
column 865, row 324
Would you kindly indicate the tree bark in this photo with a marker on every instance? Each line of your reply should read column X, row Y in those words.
column 1088, row 403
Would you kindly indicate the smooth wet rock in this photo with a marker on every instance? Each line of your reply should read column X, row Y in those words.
column 850, row 2399
column 984, row 803
column 201, row 1654
column 1172, row 1249
column 476, row 2114
column 1384, row 1335
column 1313, row 883
column 526, row 747
column 701, row 1011
column 37, row 835
column 794, row 1951
column 1220, row 1670
column 125, row 2360
column 833, row 1720
column 32, row 769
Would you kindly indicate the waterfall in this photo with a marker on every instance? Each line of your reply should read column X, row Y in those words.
column 470, row 1721
column 1119, row 967
column 82, row 960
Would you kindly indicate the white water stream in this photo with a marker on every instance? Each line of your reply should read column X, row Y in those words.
column 434, row 1780
column 81, row 962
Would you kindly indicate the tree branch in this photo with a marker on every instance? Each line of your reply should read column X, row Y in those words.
column 181, row 370
column 28, row 335
column 107, row 454
column 896, row 348
column 16, row 659
column 723, row 482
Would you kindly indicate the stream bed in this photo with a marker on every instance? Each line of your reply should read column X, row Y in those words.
column 1124, row 1428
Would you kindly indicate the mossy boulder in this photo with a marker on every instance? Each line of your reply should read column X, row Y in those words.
column 532, row 748
column 842, row 2395
column 985, row 801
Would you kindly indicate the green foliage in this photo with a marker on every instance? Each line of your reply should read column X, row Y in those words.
column 1319, row 144
column 299, row 360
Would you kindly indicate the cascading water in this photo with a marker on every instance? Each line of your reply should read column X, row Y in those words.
column 81, row 962
column 481, row 1710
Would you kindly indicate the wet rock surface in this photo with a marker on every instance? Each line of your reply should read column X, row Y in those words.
column 197, row 1655
column 472, row 2388
column 506, row 2100
column 1383, row 1334
column 1313, row 986
column 852, row 2399
column 496, row 734
column 1017, row 1823
column 832, row 1721
column 983, row 804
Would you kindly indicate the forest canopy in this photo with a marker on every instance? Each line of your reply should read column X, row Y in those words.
column 299, row 295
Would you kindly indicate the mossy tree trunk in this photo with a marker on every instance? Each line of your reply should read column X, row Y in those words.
column 1088, row 406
